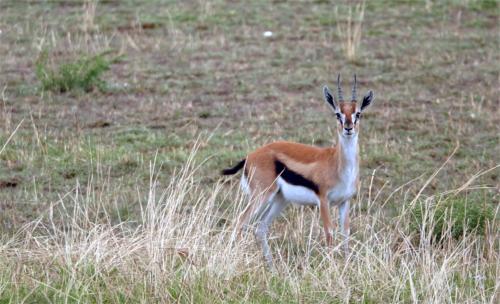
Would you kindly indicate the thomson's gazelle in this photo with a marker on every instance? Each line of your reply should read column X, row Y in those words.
column 283, row 172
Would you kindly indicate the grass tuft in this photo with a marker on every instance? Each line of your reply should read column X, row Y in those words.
column 350, row 33
column 84, row 74
column 454, row 217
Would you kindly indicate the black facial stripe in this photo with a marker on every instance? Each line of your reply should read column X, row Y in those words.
column 357, row 117
column 339, row 117
column 293, row 177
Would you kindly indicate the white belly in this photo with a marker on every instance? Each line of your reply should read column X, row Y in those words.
column 297, row 194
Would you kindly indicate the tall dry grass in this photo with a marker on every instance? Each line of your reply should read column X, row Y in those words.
column 183, row 249
column 350, row 31
column 88, row 16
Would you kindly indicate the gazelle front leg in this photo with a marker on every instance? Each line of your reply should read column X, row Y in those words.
column 344, row 224
column 324, row 210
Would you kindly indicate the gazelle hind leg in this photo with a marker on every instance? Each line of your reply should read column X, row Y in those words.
column 254, row 208
column 276, row 206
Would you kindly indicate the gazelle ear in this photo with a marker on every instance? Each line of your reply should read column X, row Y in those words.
column 367, row 100
column 330, row 99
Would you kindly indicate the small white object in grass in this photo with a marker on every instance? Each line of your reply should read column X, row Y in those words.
column 267, row 34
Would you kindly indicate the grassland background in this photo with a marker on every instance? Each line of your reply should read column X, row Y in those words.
column 188, row 72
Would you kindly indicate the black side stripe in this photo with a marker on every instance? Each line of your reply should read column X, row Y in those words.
column 293, row 177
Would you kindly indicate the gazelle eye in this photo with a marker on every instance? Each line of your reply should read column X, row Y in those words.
column 358, row 115
column 339, row 117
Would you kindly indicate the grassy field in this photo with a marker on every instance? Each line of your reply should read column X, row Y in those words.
column 116, row 117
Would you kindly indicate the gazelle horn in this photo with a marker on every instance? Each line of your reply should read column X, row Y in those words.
column 339, row 89
column 354, row 89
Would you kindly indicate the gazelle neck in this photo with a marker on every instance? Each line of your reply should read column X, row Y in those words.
column 346, row 170
column 348, row 153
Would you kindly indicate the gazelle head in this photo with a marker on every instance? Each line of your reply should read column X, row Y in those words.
column 348, row 113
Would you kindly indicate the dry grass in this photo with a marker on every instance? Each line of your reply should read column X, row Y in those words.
column 350, row 33
column 88, row 16
column 183, row 248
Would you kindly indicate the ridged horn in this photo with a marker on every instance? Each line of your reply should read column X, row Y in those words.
column 339, row 89
column 354, row 89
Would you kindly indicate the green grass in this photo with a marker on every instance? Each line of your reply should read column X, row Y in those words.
column 463, row 216
column 84, row 74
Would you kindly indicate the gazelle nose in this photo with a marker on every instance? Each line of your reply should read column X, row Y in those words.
column 348, row 129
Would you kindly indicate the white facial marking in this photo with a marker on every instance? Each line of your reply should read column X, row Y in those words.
column 356, row 118
column 340, row 117
column 297, row 194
